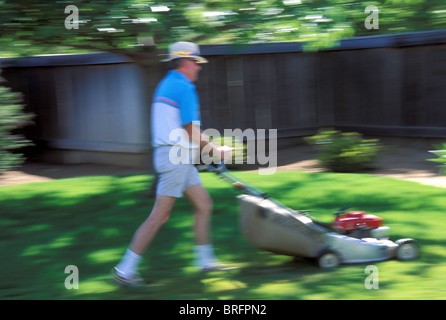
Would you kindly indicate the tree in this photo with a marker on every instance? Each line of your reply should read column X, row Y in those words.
column 109, row 25
column 139, row 28
column 36, row 26
column 12, row 117
column 133, row 27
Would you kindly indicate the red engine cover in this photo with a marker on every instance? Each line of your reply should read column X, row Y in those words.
column 352, row 220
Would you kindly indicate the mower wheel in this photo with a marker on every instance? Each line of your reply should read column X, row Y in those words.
column 328, row 260
column 407, row 249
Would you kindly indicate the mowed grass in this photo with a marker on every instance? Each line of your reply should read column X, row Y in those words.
column 88, row 222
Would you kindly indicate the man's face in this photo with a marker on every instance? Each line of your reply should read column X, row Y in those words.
column 190, row 68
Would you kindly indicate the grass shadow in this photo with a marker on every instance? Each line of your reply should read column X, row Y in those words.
column 88, row 222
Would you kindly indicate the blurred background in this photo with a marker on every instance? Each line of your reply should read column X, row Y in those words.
column 85, row 71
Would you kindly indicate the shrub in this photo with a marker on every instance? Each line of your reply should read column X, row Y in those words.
column 441, row 154
column 11, row 118
column 344, row 151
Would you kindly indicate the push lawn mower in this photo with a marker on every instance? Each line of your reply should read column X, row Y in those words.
column 353, row 237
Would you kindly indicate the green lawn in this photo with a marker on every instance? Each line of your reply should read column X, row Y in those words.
column 88, row 222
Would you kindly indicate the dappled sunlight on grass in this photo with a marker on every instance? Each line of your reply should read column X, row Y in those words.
column 222, row 284
column 88, row 222
column 105, row 255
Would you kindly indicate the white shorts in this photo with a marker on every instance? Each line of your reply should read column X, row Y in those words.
column 173, row 179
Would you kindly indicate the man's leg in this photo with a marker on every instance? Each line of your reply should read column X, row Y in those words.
column 149, row 228
column 144, row 235
column 204, row 252
column 202, row 203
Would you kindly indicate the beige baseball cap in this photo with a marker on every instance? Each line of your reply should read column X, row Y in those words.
column 183, row 49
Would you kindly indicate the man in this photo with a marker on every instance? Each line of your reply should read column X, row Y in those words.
column 176, row 128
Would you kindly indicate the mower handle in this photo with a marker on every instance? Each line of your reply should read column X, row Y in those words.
column 222, row 171
column 221, row 167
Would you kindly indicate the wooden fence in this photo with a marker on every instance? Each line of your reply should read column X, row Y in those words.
column 389, row 85
column 89, row 108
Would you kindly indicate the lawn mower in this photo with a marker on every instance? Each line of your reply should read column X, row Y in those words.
column 353, row 236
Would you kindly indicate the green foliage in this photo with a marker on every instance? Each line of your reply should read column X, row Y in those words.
column 11, row 118
column 344, row 151
column 39, row 26
column 440, row 152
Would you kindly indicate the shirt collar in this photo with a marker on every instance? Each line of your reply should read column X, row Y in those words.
column 179, row 75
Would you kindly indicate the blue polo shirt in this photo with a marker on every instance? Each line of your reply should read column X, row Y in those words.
column 175, row 104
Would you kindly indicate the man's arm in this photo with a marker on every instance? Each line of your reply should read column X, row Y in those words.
column 197, row 136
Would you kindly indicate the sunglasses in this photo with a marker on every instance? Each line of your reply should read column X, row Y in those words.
column 193, row 60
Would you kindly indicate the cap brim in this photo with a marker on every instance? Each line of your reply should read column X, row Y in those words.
column 200, row 59
column 197, row 58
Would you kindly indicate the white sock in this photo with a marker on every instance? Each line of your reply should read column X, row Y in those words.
column 204, row 256
column 128, row 265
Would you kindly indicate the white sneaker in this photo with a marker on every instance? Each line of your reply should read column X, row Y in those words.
column 134, row 281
